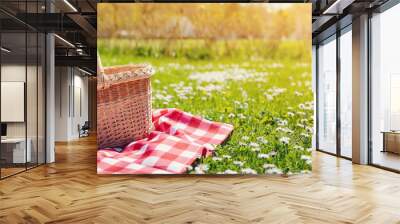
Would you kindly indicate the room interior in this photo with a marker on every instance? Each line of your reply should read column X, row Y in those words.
column 42, row 75
column 334, row 42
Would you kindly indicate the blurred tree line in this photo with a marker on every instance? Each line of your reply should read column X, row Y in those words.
column 213, row 21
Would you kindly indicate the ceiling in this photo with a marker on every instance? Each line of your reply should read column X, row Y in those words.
column 331, row 15
column 74, row 22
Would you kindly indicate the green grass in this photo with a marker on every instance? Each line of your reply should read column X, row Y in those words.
column 267, row 100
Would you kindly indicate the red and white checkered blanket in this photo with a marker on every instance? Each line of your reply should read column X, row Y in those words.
column 177, row 140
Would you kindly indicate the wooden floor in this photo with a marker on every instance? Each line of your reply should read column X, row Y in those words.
column 69, row 191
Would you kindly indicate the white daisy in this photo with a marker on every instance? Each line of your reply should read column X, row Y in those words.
column 217, row 158
column 272, row 153
column 268, row 166
column 245, row 138
column 254, row 144
column 238, row 163
column 273, row 171
column 263, row 156
column 284, row 140
column 248, row 171
column 230, row 172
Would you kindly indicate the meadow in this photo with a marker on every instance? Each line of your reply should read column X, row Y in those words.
column 262, row 88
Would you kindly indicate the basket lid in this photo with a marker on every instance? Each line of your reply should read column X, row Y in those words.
column 125, row 73
column 121, row 73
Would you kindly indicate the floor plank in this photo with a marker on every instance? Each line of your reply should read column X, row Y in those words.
column 70, row 191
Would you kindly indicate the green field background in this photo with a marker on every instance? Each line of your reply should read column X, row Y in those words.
column 263, row 88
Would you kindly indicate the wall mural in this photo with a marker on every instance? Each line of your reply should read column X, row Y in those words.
column 204, row 88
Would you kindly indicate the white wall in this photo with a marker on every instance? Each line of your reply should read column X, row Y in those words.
column 62, row 81
column 70, row 81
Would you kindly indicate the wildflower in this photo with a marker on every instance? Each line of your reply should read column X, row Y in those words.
column 263, row 156
column 231, row 115
column 210, row 88
column 282, row 122
column 291, row 114
column 286, row 130
column 269, row 97
column 273, row 171
column 256, row 149
column 230, row 172
column 298, row 93
column 226, row 156
column 245, row 138
column 304, row 135
column 262, row 140
column 272, row 153
column 284, row 140
column 242, row 144
column 307, row 159
column 310, row 129
column 238, row 163
column 204, row 167
column 197, row 170
column 248, row 171
column 244, row 94
column 268, row 166
column 254, row 144
column 201, row 169
column 297, row 147
column 241, row 116
column 216, row 158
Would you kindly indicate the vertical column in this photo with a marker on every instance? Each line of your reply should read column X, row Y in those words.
column 50, row 92
column 360, row 90
column 314, row 89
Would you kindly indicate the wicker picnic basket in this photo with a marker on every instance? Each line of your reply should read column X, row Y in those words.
column 123, row 104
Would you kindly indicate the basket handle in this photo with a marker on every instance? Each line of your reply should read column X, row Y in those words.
column 100, row 70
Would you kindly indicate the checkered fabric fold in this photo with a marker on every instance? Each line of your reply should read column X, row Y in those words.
column 177, row 140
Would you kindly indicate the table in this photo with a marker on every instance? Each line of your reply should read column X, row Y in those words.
column 13, row 150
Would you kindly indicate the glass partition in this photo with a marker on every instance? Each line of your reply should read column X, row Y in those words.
column 22, row 88
column 32, row 98
column 385, row 89
column 346, row 93
column 327, row 95
column 41, row 97
column 13, row 94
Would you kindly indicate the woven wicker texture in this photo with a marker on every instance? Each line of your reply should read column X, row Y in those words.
column 123, row 105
